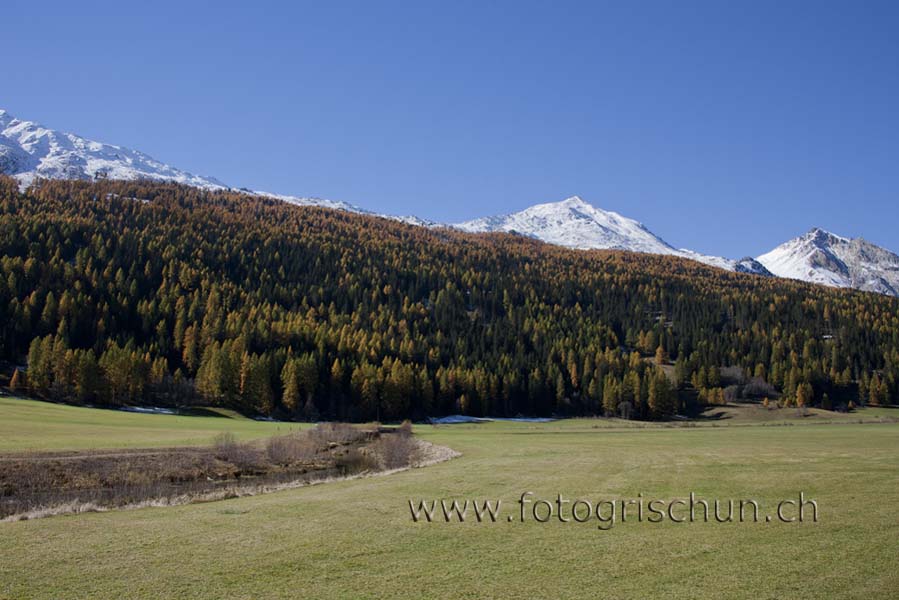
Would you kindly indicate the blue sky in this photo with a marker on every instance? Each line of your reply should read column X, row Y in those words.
column 726, row 127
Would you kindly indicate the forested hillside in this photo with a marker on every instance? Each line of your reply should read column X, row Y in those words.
column 137, row 293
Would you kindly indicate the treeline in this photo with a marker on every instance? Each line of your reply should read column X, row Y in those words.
column 127, row 293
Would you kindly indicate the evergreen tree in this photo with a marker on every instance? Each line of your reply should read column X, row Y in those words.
column 804, row 395
column 662, row 396
column 290, row 384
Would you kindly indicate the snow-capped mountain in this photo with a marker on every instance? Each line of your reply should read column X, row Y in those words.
column 823, row 257
column 575, row 223
column 29, row 150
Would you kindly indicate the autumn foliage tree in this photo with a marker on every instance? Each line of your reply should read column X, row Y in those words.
column 135, row 292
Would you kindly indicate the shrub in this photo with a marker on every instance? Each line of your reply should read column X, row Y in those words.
column 354, row 461
column 228, row 449
column 225, row 442
column 290, row 449
column 324, row 434
column 395, row 451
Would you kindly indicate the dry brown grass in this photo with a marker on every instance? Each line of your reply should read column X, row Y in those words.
column 35, row 485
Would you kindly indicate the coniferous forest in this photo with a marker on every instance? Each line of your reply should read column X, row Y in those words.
column 133, row 293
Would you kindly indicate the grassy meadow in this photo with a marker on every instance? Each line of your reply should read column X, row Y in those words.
column 30, row 425
column 356, row 539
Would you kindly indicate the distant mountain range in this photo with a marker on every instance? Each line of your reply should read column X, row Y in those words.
column 29, row 150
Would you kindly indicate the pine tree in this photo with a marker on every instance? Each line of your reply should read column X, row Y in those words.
column 611, row 396
column 661, row 396
column 289, row 383
column 463, row 404
column 877, row 391
column 560, row 390
column 307, row 379
column 48, row 316
column 39, row 364
column 804, row 395
column 88, row 378
column 190, row 354
column 661, row 356
column 245, row 367
column 594, row 393
column 257, row 390
column 573, row 370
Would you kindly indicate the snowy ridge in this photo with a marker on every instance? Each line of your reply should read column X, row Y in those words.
column 413, row 220
column 29, row 150
column 300, row 201
column 340, row 205
column 823, row 257
column 576, row 224
column 743, row 265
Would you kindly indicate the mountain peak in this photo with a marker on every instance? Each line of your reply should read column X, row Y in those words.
column 575, row 201
column 820, row 231
column 817, row 234
column 574, row 223
column 29, row 150
column 822, row 237
column 823, row 257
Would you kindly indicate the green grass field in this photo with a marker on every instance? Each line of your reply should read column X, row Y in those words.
column 27, row 425
column 356, row 539
column 31, row 425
